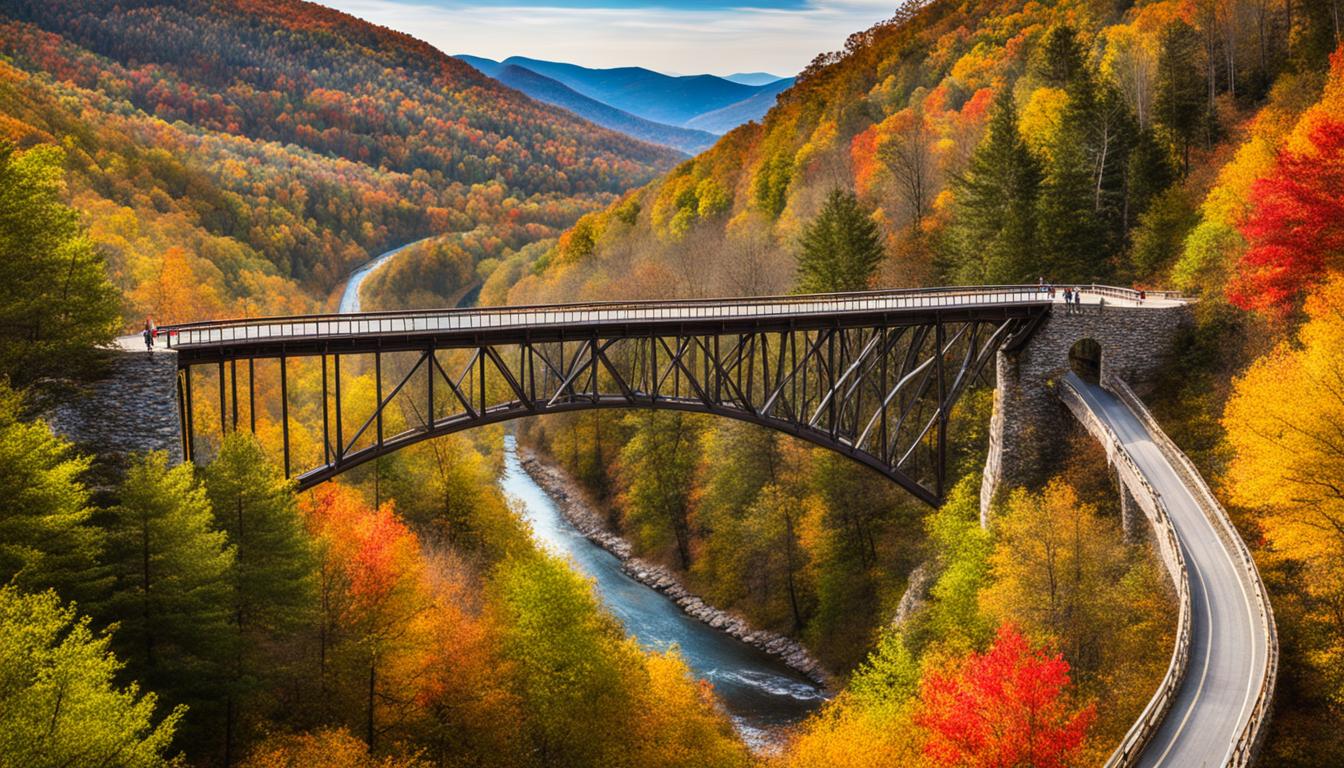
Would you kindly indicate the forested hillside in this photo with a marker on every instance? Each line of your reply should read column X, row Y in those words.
column 191, row 158
column 1192, row 144
column 207, row 614
column 243, row 156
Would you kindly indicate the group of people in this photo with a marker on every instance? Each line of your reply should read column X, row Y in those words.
column 1073, row 297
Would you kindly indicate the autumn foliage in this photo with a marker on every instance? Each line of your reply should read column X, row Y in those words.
column 1296, row 228
column 1006, row 707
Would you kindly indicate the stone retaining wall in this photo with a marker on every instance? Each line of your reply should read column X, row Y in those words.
column 585, row 518
column 1028, row 425
column 131, row 408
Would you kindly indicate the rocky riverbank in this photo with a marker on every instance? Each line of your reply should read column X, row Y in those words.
column 580, row 512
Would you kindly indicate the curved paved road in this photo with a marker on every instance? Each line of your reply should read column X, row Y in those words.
column 1228, row 650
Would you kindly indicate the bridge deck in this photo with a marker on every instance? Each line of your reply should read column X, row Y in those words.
column 1229, row 636
column 503, row 324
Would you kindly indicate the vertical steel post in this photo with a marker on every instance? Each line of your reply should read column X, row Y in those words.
column 592, row 368
column 223, row 402
column 340, row 435
column 430, row 365
column 252, row 395
column 188, row 417
column 284, row 409
column 941, row 456
column 718, row 377
column 828, row 383
column 233, row 389
column 882, row 400
column 326, row 428
column 378, row 392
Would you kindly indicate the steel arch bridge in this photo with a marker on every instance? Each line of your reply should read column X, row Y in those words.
column 872, row 375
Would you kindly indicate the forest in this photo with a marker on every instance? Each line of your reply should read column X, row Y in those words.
column 1171, row 144
column 217, row 189
column 252, row 155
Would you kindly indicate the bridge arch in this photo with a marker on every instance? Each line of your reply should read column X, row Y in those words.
column 1085, row 359
column 873, row 376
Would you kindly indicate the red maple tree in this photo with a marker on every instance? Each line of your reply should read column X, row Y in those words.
column 1296, row 226
column 1006, row 707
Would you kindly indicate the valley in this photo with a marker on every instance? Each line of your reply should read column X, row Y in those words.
column 1027, row 447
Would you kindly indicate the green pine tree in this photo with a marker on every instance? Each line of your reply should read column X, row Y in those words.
column 995, row 239
column 56, row 304
column 1179, row 109
column 841, row 249
column 1148, row 175
column 274, row 582
column 46, row 539
column 171, row 596
column 1058, row 61
column 59, row 704
column 1072, row 235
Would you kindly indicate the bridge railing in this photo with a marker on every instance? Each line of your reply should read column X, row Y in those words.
column 400, row 322
column 1132, row 294
column 1256, row 727
column 306, row 326
column 1173, row 559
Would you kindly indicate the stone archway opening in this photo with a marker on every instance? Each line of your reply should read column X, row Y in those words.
column 1085, row 360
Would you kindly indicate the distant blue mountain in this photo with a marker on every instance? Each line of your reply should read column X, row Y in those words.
column 545, row 89
column 705, row 102
column 754, row 107
column 755, row 78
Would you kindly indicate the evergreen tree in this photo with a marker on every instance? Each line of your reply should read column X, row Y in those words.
column 1162, row 231
column 1179, row 110
column 59, row 705
column 841, row 249
column 171, row 594
column 56, row 304
column 1147, row 175
column 1083, row 199
column 1072, row 238
column 273, row 574
column 46, row 539
column 1059, row 60
column 995, row 240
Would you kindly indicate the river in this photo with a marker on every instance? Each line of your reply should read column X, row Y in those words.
column 350, row 297
column 759, row 692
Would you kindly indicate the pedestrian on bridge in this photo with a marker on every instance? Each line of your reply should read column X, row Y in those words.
column 1078, row 299
column 149, row 340
column 1068, row 300
column 1101, row 304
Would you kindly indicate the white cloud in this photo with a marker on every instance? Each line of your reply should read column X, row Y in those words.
column 688, row 41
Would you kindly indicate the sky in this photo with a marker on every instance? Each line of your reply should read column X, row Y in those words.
column 676, row 36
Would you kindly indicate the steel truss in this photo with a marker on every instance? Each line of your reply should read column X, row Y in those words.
column 880, row 392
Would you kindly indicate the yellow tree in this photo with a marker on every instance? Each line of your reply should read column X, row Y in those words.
column 1283, row 423
column 1055, row 562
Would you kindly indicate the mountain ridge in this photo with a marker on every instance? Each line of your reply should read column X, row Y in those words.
column 674, row 100
column 261, row 153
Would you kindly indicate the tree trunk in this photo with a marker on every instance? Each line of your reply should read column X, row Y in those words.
column 144, row 586
column 368, row 728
